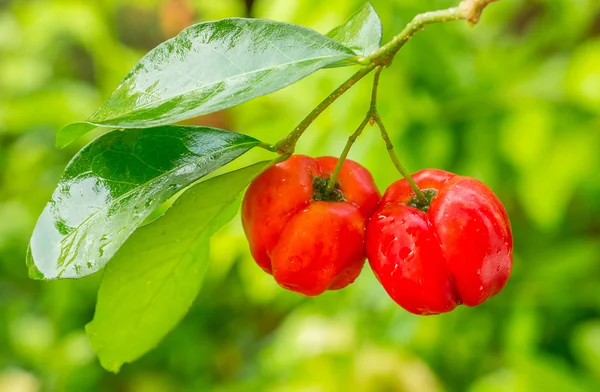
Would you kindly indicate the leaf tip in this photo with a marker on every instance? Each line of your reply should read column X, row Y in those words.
column 35, row 273
column 110, row 365
column 32, row 270
column 72, row 132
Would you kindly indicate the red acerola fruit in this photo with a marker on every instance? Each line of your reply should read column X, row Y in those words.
column 308, row 239
column 455, row 250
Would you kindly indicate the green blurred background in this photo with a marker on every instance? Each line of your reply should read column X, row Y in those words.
column 514, row 101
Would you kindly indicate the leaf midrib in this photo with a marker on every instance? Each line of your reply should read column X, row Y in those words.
column 160, row 101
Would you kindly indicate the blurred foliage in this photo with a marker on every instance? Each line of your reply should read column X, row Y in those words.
column 514, row 101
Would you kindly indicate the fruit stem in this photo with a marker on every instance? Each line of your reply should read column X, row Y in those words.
column 338, row 167
column 373, row 116
column 390, row 148
column 373, row 106
column 368, row 118
column 469, row 10
column 288, row 143
column 388, row 143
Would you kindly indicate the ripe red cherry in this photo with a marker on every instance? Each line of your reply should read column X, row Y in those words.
column 456, row 250
column 310, row 242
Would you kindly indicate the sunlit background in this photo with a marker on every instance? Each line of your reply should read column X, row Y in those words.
column 514, row 102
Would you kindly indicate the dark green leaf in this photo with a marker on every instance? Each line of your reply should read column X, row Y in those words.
column 362, row 33
column 211, row 66
column 153, row 279
column 113, row 184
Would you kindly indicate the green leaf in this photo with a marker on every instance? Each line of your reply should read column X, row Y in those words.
column 113, row 184
column 72, row 132
column 211, row 66
column 154, row 278
column 362, row 33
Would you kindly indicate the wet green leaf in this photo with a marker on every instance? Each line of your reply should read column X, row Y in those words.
column 208, row 67
column 113, row 184
column 153, row 279
column 362, row 32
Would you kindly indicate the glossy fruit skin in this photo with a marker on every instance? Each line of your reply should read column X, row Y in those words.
column 309, row 246
column 458, row 252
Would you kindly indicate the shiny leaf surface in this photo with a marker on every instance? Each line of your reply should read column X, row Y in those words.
column 362, row 32
column 208, row 67
column 113, row 184
column 154, row 278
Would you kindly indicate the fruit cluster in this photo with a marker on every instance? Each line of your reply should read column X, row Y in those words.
column 429, row 257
